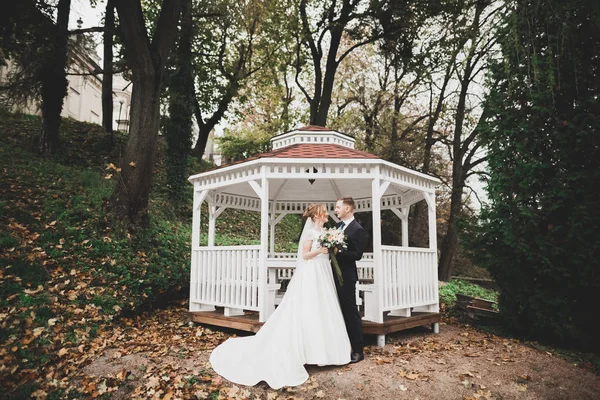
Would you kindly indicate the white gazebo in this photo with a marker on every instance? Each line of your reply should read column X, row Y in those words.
column 237, row 286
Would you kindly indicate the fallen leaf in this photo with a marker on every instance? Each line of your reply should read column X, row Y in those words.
column 233, row 391
column 63, row 352
column 153, row 382
column 32, row 291
column 320, row 394
column 132, row 164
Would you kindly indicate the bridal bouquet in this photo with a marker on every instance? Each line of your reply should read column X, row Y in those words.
column 333, row 238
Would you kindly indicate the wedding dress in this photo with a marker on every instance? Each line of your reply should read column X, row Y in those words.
column 306, row 328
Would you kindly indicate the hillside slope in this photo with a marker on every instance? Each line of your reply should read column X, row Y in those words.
column 66, row 269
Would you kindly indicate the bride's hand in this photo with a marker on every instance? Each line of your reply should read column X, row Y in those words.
column 324, row 250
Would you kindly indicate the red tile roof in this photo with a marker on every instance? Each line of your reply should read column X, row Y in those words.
column 313, row 128
column 309, row 150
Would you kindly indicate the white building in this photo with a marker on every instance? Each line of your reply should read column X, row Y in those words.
column 84, row 94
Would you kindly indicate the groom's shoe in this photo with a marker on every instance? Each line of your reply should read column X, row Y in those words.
column 356, row 357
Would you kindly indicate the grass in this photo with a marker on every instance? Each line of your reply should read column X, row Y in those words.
column 66, row 269
column 449, row 291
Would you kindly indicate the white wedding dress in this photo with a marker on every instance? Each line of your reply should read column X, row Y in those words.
column 306, row 328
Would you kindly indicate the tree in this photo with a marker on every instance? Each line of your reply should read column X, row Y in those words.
column 54, row 80
column 539, row 235
column 38, row 48
column 178, row 130
column 235, row 40
column 147, row 57
column 463, row 146
column 327, row 32
column 25, row 38
column 107, row 73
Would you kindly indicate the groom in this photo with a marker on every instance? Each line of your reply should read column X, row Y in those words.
column 344, row 209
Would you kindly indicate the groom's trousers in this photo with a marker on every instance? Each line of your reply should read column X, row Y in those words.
column 347, row 296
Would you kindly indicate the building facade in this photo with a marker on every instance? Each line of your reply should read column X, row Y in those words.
column 83, row 101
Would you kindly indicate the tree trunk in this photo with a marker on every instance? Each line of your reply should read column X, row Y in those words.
column 130, row 199
column 205, row 127
column 320, row 111
column 147, row 59
column 107, row 74
column 450, row 242
column 420, row 209
column 181, row 101
column 54, row 82
column 203, row 134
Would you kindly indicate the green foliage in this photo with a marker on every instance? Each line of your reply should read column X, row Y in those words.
column 242, row 144
column 26, row 34
column 58, row 207
column 449, row 291
column 539, row 237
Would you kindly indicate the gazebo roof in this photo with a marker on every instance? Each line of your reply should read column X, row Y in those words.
column 313, row 164
column 308, row 150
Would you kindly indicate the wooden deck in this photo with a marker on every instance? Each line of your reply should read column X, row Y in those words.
column 249, row 322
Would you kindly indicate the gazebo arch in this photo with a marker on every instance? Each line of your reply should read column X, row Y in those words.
column 398, row 287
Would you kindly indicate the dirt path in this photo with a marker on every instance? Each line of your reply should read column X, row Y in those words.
column 163, row 357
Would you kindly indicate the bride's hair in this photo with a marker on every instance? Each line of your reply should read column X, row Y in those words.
column 314, row 210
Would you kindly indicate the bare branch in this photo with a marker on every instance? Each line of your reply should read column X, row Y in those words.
column 371, row 40
column 298, row 70
column 88, row 30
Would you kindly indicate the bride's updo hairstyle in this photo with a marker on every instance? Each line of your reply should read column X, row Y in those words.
column 314, row 210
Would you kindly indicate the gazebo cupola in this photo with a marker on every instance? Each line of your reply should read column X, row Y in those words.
column 311, row 164
column 312, row 134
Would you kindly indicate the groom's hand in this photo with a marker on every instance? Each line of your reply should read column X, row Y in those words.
column 335, row 250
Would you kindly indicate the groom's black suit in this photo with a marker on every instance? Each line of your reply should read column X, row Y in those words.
column 356, row 239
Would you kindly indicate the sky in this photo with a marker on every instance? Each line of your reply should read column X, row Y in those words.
column 81, row 9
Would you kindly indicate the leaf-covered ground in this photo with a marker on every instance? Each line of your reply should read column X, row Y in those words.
column 65, row 270
column 160, row 355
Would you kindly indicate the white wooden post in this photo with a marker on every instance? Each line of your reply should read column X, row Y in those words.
column 272, row 235
column 405, row 212
column 430, row 199
column 263, row 304
column 262, row 190
column 378, row 276
column 403, row 215
column 194, row 283
column 212, row 210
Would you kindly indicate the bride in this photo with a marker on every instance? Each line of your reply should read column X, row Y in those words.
column 306, row 328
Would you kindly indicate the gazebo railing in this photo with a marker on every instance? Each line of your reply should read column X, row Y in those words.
column 226, row 276
column 282, row 266
column 409, row 277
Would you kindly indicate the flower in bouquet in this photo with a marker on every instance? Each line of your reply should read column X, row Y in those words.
column 334, row 238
